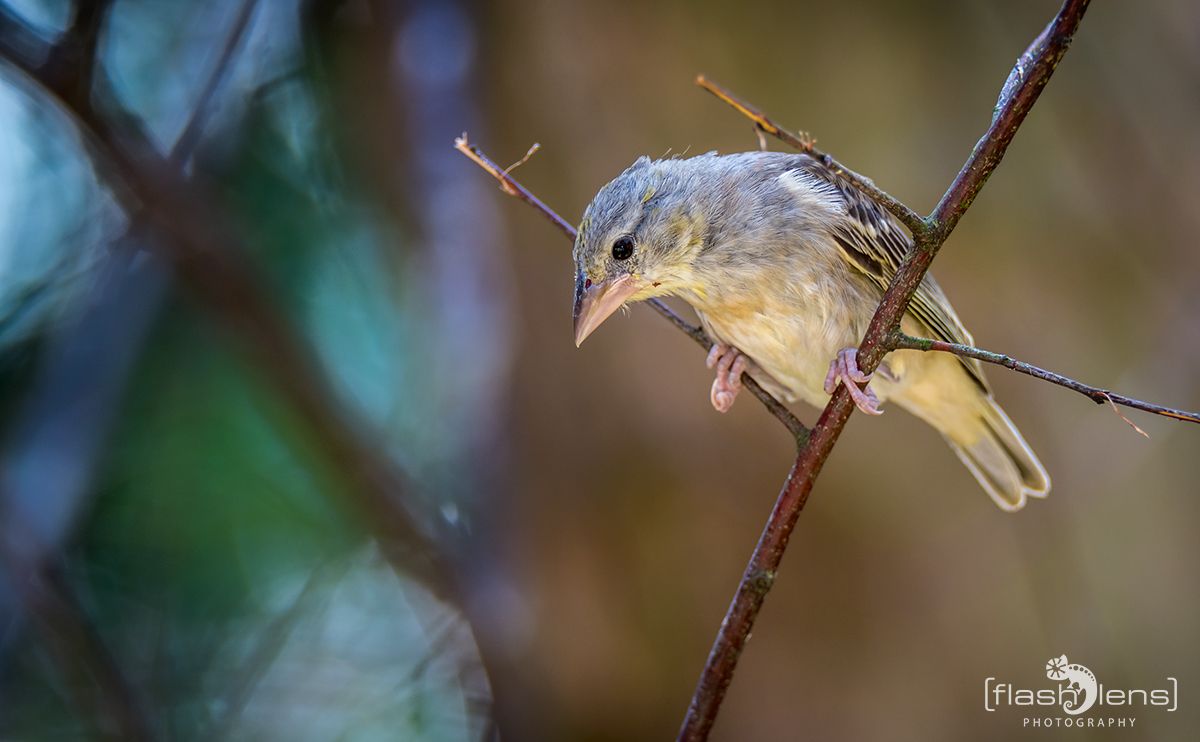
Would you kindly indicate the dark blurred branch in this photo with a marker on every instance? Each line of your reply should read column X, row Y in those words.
column 900, row 341
column 512, row 187
column 68, row 413
column 19, row 46
column 92, row 675
column 1032, row 72
column 187, row 142
column 72, row 63
column 212, row 262
column 268, row 645
column 63, row 420
column 189, row 230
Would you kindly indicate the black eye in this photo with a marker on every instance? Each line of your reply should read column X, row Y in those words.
column 623, row 248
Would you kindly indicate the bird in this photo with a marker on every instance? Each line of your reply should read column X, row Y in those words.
column 784, row 262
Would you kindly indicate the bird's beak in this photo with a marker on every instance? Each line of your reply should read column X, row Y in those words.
column 595, row 302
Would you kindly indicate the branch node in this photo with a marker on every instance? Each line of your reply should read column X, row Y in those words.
column 761, row 581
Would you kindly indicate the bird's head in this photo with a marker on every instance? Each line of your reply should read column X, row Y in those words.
column 638, row 240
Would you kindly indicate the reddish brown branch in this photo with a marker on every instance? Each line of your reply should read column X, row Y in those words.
column 1019, row 93
column 1029, row 76
column 1100, row 396
column 512, row 187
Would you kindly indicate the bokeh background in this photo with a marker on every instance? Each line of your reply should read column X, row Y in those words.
column 597, row 512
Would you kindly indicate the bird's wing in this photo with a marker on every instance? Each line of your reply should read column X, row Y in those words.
column 874, row 242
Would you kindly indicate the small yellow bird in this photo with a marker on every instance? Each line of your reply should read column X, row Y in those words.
column 785, row 262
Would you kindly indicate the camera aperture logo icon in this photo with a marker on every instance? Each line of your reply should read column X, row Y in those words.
column 1079, row 679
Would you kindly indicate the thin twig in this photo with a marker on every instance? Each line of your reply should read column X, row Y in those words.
column 533, row 148
column 901, row 341
column 805, row 143
column 1019, row 94
column 1117, row 411
column 512, row 187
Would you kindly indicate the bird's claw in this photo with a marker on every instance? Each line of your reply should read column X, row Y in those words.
column 844, row 370
column 730, row 365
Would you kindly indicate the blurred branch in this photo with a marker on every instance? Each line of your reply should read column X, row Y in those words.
column 19, row 46
column 1030, row 75
column 900, row 341
column 92, row 675
column 69, row 410
column 211, row 260
column 202, row 110
column 192, row 233
column 512, row 187
column 267, row 648
column 72, row 61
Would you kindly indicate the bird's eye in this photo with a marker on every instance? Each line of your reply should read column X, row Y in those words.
column 622, row 248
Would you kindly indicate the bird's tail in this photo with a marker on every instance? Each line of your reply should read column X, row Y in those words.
column 1000, row 458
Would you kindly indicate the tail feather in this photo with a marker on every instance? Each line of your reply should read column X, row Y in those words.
column 1001, row 459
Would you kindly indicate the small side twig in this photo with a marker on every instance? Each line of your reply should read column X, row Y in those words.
column 806, row 144
column 900, row 341
column 512, row 187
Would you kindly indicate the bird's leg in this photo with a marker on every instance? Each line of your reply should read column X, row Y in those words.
column 730, row 364
column 844, row 370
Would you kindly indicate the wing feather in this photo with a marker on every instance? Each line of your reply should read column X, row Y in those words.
column 875, row 243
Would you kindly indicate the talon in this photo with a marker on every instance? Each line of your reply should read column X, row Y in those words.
column 740, row 364
column 730, row 364
column 718, row 350
column 844, row 370
column 722, row 401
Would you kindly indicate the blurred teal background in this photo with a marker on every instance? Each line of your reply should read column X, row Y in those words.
column 602, row 511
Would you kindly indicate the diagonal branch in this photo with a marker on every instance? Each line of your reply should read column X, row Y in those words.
column 193, row 131
column 1032, row 72
column 512, row 187
column 900, row 341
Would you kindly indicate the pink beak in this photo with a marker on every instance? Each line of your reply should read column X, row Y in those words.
column 595, row 302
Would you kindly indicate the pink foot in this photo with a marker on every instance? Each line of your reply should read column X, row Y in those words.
column 844, row 370
column 730, row 365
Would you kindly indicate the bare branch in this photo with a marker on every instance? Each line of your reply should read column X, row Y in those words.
column 512, row 187
column 1036, row 66
column 1020, row 91
column 805, row 143
column 901, row 341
